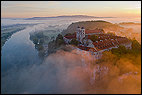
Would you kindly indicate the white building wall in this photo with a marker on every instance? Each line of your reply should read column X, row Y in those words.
column 90, row 45
column 80, row 34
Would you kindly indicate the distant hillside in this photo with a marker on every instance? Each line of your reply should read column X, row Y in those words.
column 129, row 23
column 72, row 16
column 92, row 25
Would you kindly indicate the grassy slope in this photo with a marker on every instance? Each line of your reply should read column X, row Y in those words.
column 91, row 25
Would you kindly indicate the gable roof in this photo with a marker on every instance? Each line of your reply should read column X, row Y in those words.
column 70, row 36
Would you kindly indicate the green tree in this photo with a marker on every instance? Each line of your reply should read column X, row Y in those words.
column 74, row 42
column 68, row 34
column 41, row 40
column 119, row 51
column 94, row 38
column 35, row 40
column 39, row 47
column 39, row 35
column 59, row 37
column 60, row 42
column 136, row 47
column 111, row 33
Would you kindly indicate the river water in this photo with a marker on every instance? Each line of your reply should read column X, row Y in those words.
column 19, row 50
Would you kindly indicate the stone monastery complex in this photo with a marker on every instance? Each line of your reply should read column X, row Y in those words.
column 103, row 43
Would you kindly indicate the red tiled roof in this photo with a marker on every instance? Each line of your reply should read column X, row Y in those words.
column 110, row 43
column 87, row 48
column 70, row 36
column 92, row 49
column 103, row 44
column 83, row 48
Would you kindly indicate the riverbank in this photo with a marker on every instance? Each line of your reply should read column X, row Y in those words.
column 9, row 30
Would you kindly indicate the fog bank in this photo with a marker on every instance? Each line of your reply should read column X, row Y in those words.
column 74, row 72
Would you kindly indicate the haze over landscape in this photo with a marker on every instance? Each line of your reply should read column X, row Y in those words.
column 42, row 53
column 23, row 9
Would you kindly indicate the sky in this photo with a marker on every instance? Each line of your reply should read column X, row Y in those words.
column 26, row 9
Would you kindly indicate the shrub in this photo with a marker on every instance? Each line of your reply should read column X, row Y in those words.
column 60, row 42
column 35, row 40
column 74, row 42
column 68, row 34
column 136, row 47
column 94, row 38
column 119, row 51
column 59, row 37
column 111, row 33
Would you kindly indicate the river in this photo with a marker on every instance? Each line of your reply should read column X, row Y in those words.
column 19, row 50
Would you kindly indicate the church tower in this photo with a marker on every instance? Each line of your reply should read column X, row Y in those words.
column 80, row 34
column 78, row 30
